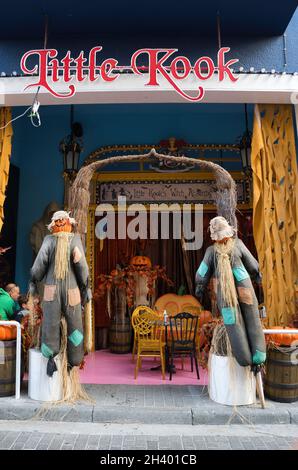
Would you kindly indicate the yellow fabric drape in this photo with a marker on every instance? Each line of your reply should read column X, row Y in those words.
column 5, row 152
column 275, row 208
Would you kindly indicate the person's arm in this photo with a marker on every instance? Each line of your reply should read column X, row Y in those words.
column 10, row 309
column 81, row 269
column 204, row 273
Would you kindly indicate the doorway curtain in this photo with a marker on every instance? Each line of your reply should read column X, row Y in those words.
column 181, row 265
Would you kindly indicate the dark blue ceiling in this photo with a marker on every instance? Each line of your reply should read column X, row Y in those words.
column 23, row 19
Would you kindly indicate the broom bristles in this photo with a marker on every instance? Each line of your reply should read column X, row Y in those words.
column 72, row 389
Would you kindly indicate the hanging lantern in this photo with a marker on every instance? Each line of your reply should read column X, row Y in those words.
column 71, row 148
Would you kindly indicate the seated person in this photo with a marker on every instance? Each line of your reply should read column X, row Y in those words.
column 23, row 302
column 9, row 302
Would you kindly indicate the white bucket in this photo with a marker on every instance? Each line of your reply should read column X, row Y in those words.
column 230, row 383
column 40, row 386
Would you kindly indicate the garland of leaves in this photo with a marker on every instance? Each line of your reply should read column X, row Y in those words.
column 125, row 278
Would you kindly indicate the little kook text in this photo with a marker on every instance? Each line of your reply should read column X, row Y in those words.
column 71, row 71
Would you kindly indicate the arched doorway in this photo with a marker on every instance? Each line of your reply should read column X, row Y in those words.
column 225, row 199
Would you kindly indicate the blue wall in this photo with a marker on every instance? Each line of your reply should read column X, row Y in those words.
column 35, row 150
column 257, row 52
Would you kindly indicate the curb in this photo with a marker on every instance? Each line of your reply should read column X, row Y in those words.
column 204, row 415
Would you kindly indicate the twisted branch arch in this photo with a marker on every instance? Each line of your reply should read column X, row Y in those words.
column 226, row 195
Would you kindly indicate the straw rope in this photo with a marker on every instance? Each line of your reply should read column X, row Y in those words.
column 79, row 197
column 223, row 252
column 72, row 390
column 61, row 254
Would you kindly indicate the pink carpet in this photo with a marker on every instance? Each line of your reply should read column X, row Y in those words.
column 103, row 367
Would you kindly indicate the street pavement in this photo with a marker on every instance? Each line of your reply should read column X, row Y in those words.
column 166, row 417
column 164, row 404
column 41, row 435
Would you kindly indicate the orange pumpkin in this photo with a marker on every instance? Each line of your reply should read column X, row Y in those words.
column 7, row 332
column 282, row 339
column 62, row 225
column 140, row 261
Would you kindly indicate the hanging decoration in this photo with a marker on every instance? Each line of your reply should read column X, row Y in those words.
column 125, row 278
column 5, row 153
column 275, row 209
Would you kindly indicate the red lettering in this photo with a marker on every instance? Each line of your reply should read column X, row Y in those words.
column 156, row 65
column 66, row 61
column 210, row 68
column 42, row 67
column 54, row 67
column 179, row 69
column 225, row 68
column 186, row 68
column 92, row 63
column 106, row 68
column 25, row 57
column 80, row 60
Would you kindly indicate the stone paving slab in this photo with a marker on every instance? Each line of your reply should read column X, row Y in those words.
column 163, row 404
column 141, row 415
column 183, row 437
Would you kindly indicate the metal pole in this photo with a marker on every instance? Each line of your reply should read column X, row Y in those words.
column 218, row 30
column 260, row 390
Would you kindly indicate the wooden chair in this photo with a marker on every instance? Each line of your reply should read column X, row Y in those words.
column 183, row 342
column 149, row 330
column 196, row 311
column 138, row 311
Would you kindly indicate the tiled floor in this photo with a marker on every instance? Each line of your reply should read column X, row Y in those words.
column 103, row 367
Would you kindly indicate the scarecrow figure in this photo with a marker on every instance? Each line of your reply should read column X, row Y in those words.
column 230, row 266
column 62, row 265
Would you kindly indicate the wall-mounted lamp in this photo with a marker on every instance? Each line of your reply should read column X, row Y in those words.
column 71, row 148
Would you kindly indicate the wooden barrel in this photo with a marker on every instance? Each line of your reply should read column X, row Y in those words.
column 7, row 368
column 120, row 337
column 281, row 379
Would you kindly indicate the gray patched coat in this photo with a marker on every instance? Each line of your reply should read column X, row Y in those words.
column 244, row 330
column 62, row 297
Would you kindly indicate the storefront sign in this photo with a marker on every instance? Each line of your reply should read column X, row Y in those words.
column 195, row 192
column 69, row 71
